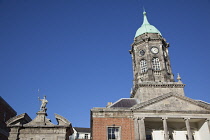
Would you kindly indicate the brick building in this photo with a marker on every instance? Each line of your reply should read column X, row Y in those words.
column 157, row 108
column 6, row 112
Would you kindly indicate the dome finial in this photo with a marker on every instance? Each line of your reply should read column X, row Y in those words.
column 144, row 10
column 145, row 18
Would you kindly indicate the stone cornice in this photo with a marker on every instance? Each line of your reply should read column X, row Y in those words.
column 46, row 126
column 146, row 40
column 117, row 109
column 169, row 111
column 162, row 85
column 156, row 85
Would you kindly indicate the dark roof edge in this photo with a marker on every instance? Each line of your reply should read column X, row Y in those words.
column 82, row 129
column 121, row 100
column 8, row 105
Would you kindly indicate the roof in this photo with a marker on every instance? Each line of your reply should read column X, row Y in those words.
column 146, row 27
column 124, row 102
column 8, row 106
column 82, row 129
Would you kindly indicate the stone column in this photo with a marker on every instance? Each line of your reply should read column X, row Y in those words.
column 142, row 133
column 136, row 127
column 208, row 123
column 165, row 127
column 189, row 133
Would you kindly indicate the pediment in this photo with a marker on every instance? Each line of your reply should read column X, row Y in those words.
column 173, row 102
column 61, row 120
column 19, row 120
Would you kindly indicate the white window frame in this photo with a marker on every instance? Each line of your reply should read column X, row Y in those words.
column 86, row 136
column 156, row 63
column 143, row 65
column 119, row 132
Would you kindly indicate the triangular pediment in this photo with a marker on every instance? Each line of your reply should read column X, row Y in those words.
column 173, row 102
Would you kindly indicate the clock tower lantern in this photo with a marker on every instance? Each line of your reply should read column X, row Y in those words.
column 151, row 64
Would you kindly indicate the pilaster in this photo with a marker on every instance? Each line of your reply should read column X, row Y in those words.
column 142, row 128
column 208, row 123
column 189, row 133
column 165, row 127
column 136, row 125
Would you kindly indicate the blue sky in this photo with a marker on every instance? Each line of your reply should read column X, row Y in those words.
column 76, row 51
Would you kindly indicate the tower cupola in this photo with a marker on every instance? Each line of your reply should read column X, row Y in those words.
column 146, row 27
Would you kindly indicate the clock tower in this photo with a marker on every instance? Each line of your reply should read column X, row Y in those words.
column 152, row 71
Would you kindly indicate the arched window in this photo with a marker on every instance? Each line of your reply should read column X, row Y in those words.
column 156, row 64
column 143, row 66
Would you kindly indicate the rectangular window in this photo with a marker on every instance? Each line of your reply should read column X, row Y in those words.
column 143, row 65
column 113, row 133
column 86, row 136
column 156, row 64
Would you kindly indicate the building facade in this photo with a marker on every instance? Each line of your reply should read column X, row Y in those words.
column 81, row 133
column 6, row 112
column 157, row 108
column 41, row 128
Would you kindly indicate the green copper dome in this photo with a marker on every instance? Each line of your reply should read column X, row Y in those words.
column 146, row 27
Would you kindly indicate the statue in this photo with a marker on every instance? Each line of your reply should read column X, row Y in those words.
column 44, row 103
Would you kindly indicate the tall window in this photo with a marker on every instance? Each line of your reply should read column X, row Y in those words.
column 143, row 66
column 86, row 136
column 156, row 64
column 113, row 133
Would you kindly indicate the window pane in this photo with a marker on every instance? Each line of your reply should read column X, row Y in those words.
column 156, row 64
column 143, row 66
column 113, row 133
column 86, row 136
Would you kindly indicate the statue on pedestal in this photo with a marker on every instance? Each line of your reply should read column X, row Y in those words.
column 44, row 103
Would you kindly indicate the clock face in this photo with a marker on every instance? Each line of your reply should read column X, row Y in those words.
column 141, row 52
column 154, row 50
